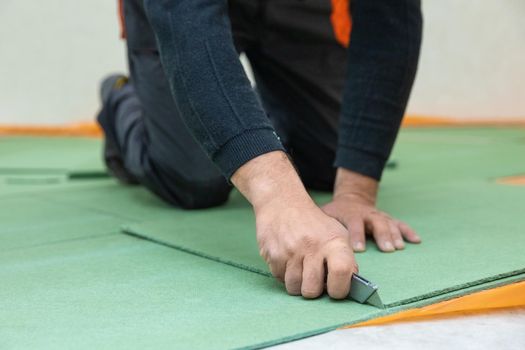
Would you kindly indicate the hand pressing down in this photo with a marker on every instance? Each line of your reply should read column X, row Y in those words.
column 354, row 205
column 304, row 248
column 361, row 217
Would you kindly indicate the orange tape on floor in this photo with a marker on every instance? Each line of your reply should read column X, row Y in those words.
column 512, row 295
column 78, row 129
column 432, row 121
column 91, row 129
column 518, row 180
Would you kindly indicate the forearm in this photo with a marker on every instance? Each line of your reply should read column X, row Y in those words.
column 271, row 180
column 382, row 62
column 208, row 83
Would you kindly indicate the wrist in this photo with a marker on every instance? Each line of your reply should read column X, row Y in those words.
column 270, row 180
column 351, row 184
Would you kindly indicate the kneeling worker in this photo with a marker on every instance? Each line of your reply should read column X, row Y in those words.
column 324, row 115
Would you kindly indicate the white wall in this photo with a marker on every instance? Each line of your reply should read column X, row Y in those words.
column 53, row 54
column 473, row 59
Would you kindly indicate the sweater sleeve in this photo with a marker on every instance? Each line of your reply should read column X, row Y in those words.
column 208, row 83
column 382, row 63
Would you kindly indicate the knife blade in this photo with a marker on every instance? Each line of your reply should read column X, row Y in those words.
column 363, row 291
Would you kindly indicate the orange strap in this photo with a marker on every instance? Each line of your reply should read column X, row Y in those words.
column 121, row 19
column 341, row 21
column 340, row 18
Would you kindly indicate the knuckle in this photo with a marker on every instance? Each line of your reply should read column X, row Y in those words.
column 356, row 230
column 382, row 234
column 396, row 233
column 336, row 239
column 341, row 270
column 339, row 246
column 374, row 213
column 312, row 277
column 308, row 242
column 275, row 256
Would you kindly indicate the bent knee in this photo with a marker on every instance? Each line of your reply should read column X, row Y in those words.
column 203, row 190
column 201, row 195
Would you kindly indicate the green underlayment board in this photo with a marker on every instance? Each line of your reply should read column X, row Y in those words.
column 473, row 234
column 17, row 184
column 70, row 279
column 117, row 292
column 472, row 228
column 48, row 156
column 27, row 221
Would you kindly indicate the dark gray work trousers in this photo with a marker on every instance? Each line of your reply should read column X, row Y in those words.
column 299, row 69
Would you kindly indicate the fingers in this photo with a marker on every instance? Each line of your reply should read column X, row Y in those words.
column 313, row 276
column 356, row 227
column 306, row 276
column 390, row 234
column 397, row 238
column 341, row 266
column 294, row 276
column 408, row 233
column 381, row 230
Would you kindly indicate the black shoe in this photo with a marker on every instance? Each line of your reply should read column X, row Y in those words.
column 110, row 83
column 112, row 153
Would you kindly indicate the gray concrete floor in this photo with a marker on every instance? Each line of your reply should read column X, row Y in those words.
column 494, row 330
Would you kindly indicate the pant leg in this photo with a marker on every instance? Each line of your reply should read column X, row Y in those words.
column 157, row 147
column 300, row 70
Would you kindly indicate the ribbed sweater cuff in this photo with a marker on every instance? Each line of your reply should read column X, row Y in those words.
column 362, row 162
column 244, row 147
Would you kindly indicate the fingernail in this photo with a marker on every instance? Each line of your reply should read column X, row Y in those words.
column 399, row 244
column 358, row 246
column 388, row 246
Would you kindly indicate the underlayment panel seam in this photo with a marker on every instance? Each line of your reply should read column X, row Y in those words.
column 457, row 288
column 132, row 232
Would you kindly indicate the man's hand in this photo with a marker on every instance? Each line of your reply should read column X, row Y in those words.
column 297, row 240
column 354, row 205
column 303, row 246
